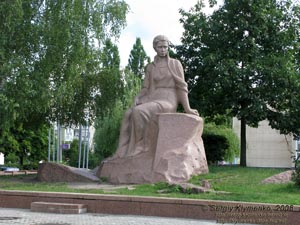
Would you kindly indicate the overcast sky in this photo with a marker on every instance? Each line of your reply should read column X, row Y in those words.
column 148, row 18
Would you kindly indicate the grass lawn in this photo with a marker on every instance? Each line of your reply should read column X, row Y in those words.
column 230, row 183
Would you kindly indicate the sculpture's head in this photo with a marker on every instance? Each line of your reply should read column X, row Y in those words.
column 161, row 45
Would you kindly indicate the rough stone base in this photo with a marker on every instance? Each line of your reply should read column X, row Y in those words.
column 53, row 172
column 179, row 154
column 280, row 178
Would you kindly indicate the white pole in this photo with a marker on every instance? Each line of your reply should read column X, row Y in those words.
column 296, row 148
column 49, row 144
column 58, row 143
column 79, row 147
column 84, row 150
column 88, row 145
column 53, row 145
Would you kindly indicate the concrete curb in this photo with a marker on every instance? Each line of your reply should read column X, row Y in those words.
column 221, row 211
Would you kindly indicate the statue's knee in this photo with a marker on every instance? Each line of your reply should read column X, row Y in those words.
column 136, row 112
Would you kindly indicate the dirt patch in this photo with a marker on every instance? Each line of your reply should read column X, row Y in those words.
column 103, row 186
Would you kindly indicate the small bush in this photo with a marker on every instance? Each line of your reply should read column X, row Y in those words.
column 107, row 132
column 12, row 160
column 31, row 166
column 215, row 147
column 220, row 143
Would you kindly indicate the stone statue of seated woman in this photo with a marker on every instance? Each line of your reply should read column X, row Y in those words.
column 163, row 89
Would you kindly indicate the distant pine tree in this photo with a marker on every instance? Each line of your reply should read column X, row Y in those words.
column 138, row 59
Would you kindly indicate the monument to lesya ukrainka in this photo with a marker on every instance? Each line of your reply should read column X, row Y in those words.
column 156, row 143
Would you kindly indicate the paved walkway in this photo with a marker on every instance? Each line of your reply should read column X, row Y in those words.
column 26, row 217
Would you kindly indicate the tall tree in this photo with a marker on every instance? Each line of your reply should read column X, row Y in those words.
column 50, row 61
column 138, row 59
column 80, row 29
column 50, row 57
column 245, row 58
column 19, row 49
column 110, row 82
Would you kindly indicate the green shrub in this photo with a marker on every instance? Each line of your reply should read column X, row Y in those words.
column 226, row 148
column 107, row 132
column 31, row 166
column 215, row 147
column 12, row 160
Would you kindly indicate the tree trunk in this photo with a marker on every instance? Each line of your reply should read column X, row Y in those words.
column 243, row 158
column 21, row 161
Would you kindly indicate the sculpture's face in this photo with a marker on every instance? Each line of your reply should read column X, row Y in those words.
column 162, row 48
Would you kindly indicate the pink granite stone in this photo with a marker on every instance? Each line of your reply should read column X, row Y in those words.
column 180, row 151
column 178, row 155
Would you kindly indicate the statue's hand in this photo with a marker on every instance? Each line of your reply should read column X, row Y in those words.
column 141, row 97
column 137, row 101
column 193, row 112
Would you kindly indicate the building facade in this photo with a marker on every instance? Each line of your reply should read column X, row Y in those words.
column 266, row 147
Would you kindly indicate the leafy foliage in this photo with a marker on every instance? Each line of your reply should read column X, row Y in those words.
column 110, row 57
column 244, row 59
column 111, row 90
column 28, row 145
column 50, row 57
column 110, row 81
column 52, row 66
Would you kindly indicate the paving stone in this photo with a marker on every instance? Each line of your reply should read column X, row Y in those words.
column 26, row 217
column 62, row 208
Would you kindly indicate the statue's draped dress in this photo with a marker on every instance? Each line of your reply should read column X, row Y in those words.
column 159, row 95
